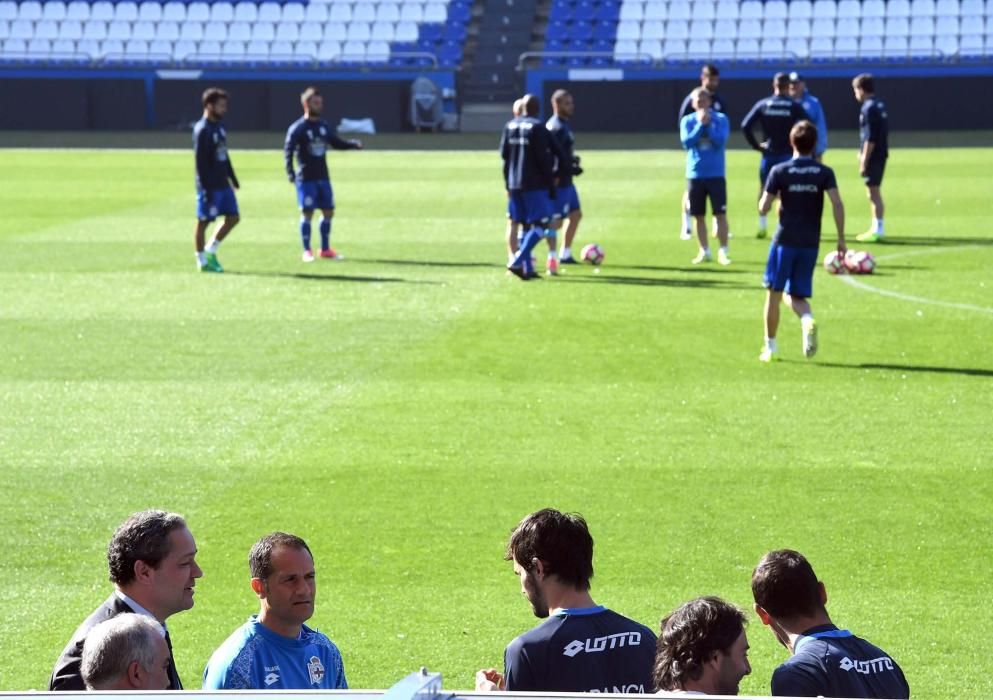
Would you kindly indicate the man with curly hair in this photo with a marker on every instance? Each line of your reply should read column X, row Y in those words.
column 702, row 649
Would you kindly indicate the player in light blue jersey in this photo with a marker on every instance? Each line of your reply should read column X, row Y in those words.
column 815, row 112
column 275, row 649
column 704, row 134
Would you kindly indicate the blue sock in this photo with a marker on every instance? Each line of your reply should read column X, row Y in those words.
column 531, row 239
column 325, row 233
column 305, row 233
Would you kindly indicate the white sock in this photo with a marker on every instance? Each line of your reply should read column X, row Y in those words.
column 724, row 249
column 551, row 255
column 770, row 343
column 213, row 245
column 877, row 226
column 763, row 221
column 687, row 221
column 806, row 318
column 201, row 258
column 566, row 252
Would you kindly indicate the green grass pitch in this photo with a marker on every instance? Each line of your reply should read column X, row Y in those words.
column 403, row 409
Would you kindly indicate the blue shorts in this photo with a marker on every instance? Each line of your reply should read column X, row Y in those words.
column 791, row 270
column 221, row 203
column 315, row 194
column 530, row 206
column 566, row 201
column 769, row 161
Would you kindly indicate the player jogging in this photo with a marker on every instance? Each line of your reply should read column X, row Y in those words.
column 710, row 80
column 704, row 134
column 528, row 172
column 214, row 179
column 307, row 140
column 775, row 115
column 275, row 649
column 874, row 131
column 824, row 661
column 800, row 185
column 580, row 647
column 566, row 206
column 815, row 112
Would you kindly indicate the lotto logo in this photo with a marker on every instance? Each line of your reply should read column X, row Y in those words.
column 598, row 644
column 883, row 663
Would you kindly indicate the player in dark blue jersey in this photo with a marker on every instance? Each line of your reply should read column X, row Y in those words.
column 566, row 206
column 775, row 116
column 513, row 226
column 307, row 141
column 529, row 178
column 275, row 649
column 825, row 661
column 874, row 131
column 702, row 649
column 582, row 647
column 710, row 80
column 214, row 179
column 800, row 184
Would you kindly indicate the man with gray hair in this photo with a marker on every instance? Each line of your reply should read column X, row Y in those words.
column 152, row 561
column 127, row 652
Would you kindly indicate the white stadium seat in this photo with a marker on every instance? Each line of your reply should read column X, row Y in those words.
column 850, row 9
column 54, row 10
column 234, row 50
column 873, row 8
column 654, row 29
column 973, row 26
column 747, row 49
column 723, row 48
column 726, row 28
column 775, row 9
column 897, row 27
column 801, row 9
column 772, row 48
column 136, row 48
column 64, row 48
column 103, row 11
column 216, row 32
column 270, row 12
column 340, row 13
column 21, row 29
column 825, row 9
column 222, row 12
column 922, row 8
column 316, row 13
column 49, row 29
column 70, row 29
column 311, row 31
column 30, row 10
column 625, row 49
column 257, row 49
column 922, row 26
column 921, row 46
column 383, row 31
column 971, row 46
column 895, row 47
column 78, row 10
column 182, row 50
column 674, row 48
column 774, row 29
column 898, row 8
column 191, row 31
column 293, row 12
column 358, row 31
column 160, row 48
column 698, row 50
column 95, row 30
column 435, row 12
column 798, row 46
column 873, row 27
column 119, row 30
column 263, row 31
column 88, row 47
column 4, row 29
column 947, row 44
column 173, row 12
column 701, row 30
column 406, row 32
column 367, row 13
column 847, row 27
column 946, row 26
column 281, row 49
column 389, row 13
column 677, row 29
column 628, row 30
column 287, row 31
column 126, row 11
column 305, row 49
column 8, row 10
column 197, row 12
column 335, row 32
column 651, row 47
column 870, row 46
column 680, row 9
column 632, row 11
column 39, row 47
column 798, row 28
column 728, row 9
column 167, row 31
column 846, row 47
column 749, row 29
column 704, row 11
column 246, row 12
column 822, row 27
column 150, row 12
column 411, row 13
column 15, row 47
column 353, row 50
column 970, row 8
column 328, row 50
column 656, row 11
column 377, row 52
column 112, row 47
column 240, row 31
column 947, row 8
column 822, row 47
column 751, row 9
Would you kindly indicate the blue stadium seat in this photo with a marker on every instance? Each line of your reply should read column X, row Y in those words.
column 431, row 31
column 605, row 31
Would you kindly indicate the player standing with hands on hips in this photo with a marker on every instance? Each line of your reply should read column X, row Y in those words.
column 800, row 184
column 307, row 140
column 214, row 179
column 874, row 131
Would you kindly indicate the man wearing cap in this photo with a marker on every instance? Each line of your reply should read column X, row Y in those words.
column 812, row 106
column 776, row 115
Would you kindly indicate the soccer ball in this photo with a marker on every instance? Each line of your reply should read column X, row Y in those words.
column 833, row 263
column 593, row 254
column 860, row 262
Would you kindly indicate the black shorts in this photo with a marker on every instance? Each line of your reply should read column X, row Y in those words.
column 700, row 189
column 874, row 172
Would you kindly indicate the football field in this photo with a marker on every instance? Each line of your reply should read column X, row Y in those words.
column 403, row 409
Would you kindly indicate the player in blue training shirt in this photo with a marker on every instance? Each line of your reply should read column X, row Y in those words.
column 566, row 206
column 874, row 131
column 307, row 140
column 513, row 226
column 815, row 112
column 214, row 179
column 702, row 649
column 710, row 80
column 704, row 134
column 582, row 647
column 529, row 178
column 800, row 184
column 275, row 649
column 775, row 115
column 825, row 661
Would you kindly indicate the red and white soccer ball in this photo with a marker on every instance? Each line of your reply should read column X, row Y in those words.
column 593, row 254
column 860, row 262
column 834, row 263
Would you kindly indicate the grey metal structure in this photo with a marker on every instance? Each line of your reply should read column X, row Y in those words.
column 425, row 104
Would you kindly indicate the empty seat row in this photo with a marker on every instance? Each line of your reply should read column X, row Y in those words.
column 238, row 31
column 432, row 11
column 822, row 48
column 803, row 28
column 801, row 9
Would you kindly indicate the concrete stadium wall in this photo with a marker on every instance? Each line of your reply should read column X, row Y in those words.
column 131, row 101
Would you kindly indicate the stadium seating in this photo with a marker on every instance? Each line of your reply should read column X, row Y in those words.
column 401, row 33
column 636, row 31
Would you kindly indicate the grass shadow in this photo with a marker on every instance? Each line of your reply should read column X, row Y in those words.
column 655, row 282
column 430, row 263
column 695, row 269
column 934, row 241
column 965, row 371
column 312, row 277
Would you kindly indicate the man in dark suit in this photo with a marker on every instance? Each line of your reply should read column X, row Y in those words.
column 152, row 559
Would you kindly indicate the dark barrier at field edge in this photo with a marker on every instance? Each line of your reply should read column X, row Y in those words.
column 914, row 103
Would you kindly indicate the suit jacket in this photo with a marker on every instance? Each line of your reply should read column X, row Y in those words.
column 67, row 674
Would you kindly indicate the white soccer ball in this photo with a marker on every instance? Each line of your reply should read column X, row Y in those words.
column 833, row 263
column 593, row 254
column 860, row 262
